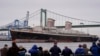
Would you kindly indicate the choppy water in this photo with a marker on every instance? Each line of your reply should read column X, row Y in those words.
column 71, row 45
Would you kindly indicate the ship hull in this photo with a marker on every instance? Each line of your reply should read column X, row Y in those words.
column 40, row 37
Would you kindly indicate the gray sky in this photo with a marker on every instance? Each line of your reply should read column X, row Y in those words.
column 16, row 9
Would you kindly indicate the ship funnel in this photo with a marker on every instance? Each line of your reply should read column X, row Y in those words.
column 68, row 25
column 50, row 22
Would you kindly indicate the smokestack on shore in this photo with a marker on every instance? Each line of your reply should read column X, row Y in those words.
column 68, row 25
column 50, row 22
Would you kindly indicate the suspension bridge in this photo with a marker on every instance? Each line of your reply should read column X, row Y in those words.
column 39, row 18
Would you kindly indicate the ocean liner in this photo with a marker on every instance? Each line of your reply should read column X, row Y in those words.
column 51, row 33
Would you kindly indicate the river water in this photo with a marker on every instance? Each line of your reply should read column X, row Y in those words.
column 71, row 45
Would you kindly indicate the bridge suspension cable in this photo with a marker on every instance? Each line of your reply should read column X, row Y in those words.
column 37, row 12
column 32, row 14
column 72, row 17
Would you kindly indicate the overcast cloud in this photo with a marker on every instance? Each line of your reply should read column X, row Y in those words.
column 16, row 9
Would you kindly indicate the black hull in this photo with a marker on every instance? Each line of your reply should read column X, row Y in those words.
column 49, row 38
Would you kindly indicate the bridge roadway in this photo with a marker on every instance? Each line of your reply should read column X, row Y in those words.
column 80, row 26
column 74, row 26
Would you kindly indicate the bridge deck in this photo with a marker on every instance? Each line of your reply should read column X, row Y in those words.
column 74, row 26
column 80, row 26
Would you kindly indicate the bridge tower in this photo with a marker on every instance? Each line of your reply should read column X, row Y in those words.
column 16, row 23
column 43, row 12
column 26, row 20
